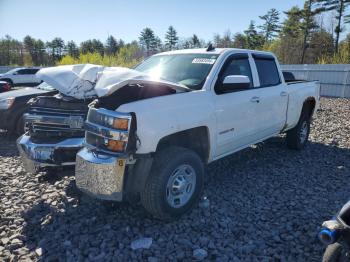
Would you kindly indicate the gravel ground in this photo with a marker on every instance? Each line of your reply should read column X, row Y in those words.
column 265, row 203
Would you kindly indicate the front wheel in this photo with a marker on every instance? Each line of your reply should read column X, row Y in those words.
column 335, row 253
column 174, row 184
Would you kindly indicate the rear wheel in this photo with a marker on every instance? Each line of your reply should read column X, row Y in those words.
column 298, row 137
column 174, row 184
column 335, row 253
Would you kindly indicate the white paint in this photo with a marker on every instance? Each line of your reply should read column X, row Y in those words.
column 233, row 120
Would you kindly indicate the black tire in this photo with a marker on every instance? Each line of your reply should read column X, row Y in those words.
column 335, row 253
column 166, row 162
column 295, row 139
column 9, row 81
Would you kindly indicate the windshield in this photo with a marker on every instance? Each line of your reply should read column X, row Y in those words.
column 13, row 70
column 45, row 86
column 190, row 70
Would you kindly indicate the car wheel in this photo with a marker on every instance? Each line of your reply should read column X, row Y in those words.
column 298, row 137
column 335, row 253
column 175, row 183
column 9, row 81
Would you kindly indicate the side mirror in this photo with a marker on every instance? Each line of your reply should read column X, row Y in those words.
column 234, row 83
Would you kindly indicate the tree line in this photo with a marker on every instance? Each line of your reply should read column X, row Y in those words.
column 302, row 37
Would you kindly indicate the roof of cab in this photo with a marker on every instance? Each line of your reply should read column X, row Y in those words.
column 216, row 51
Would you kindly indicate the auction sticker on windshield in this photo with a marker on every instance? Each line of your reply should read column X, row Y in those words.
column 208, row 61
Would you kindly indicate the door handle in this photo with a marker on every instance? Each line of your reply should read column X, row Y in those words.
column 283, row 93
column 255, row 99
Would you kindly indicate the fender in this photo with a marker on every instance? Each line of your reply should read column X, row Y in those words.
column 162, row 116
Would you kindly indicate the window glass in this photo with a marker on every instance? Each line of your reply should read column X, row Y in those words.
column 190, row 70
column 32, row 71
column 22, row 72
column 267, row 71
column 239, row 66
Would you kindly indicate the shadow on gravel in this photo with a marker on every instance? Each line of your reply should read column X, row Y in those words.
column 54, row 175
column 8, row 145
column 266, row 202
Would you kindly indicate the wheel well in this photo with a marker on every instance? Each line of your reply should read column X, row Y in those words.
column 309, row 106
column 8, row 80
column 196, row 139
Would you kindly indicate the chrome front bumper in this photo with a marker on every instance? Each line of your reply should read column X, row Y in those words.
column 36, row 156
column 99, row 175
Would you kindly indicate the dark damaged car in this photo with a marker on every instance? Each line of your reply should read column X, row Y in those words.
column 13, row 104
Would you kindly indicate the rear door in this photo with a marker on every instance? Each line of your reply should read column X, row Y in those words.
column 32, row 77
column 272, row 96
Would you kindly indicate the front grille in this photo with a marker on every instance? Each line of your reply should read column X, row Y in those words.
column 98, row 131
column 55, row 122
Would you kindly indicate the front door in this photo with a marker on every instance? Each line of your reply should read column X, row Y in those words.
column 235, row 111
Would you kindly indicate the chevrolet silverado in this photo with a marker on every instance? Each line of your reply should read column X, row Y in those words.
column 149, row 138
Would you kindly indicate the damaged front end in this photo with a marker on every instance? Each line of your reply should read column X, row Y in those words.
column 101, row 164
column 54, row 132
column 107, row 167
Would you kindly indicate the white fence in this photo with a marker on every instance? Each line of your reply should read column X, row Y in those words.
column 334, row 79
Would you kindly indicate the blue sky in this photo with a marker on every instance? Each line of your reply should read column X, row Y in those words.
column 79, row 20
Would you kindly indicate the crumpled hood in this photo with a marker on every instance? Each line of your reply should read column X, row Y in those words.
column 88, row 80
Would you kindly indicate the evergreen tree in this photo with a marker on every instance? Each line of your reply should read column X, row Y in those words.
column 29, row 45
column 97, row 46
column 293, row 26
column 72, row 49
column 239, row 41
column 111, row 46
column 340, row 7
column 148, row 40
column 157, row 45
column 271, row 26
column 40, row 53
column 171, row 38
column 86, row 47
column 226, row 40
column 91, row 46
column 217, row 40
column 254, row 40
column 55, row 49
column 195, row 41
column 309, row 24
column 291, row 37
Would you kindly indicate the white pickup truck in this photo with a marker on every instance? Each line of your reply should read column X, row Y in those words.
column 149, row 138
column 157, row 147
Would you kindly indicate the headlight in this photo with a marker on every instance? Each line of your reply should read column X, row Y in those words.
column 122, row 124
column 117, row 123
column 117, row 146
column 6, row 103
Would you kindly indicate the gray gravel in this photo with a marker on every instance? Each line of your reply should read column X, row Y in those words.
column 265, row 203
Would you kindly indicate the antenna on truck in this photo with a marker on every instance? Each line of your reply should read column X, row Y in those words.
column 210, row 47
